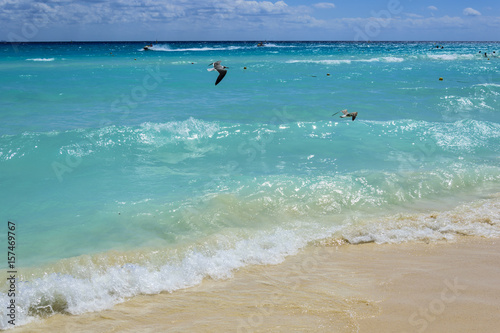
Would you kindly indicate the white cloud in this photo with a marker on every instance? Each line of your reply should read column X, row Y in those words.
column 471, row 12
column 173, row 12
column 218, row 20
column 324, row 5
column 250, row 7
column 413, row 15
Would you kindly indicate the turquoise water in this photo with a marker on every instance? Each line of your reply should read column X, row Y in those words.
column 120, row 165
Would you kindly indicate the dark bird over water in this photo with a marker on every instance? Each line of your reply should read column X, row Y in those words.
column 219, row 68
column 347, row 114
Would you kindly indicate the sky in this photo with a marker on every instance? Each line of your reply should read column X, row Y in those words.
column 219, row 20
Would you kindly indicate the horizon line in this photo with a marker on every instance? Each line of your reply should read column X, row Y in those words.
column 250, row 41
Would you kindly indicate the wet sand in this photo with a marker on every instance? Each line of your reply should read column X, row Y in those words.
column 414, row 287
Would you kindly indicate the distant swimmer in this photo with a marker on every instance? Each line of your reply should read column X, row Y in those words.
column 219, row 68
column 347, row 114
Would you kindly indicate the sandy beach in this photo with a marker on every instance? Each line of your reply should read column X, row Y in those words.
column 411, row 287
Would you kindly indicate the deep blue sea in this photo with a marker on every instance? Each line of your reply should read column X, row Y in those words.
column 130, row 172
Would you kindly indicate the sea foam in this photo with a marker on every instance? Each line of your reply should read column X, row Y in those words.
column 41, row 59
column 88, row 284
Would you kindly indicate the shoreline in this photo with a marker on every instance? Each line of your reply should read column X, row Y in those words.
column 406, row 287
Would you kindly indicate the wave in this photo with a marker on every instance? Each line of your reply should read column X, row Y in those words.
column 40, row 59
column 451, row 56
column 85, row 284
column 168, row 48
column 89, row 141
column 389, row 59
column 324, row 61
column 465, row 136
column 94, row 283
column 345, row 61
column 480, row 219
column 153, row 135
column 279, row 46
column 392, row 59
column 488, row 85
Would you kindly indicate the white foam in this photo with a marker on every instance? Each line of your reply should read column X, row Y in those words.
column 325, row 61
column 91, row 288
column 488, row 85
column 476, row 219
column 41, row 59
column 345, row 61
column 87, row 286
column 276, row 45
column 450, row 56
column 150, row 134
column 465, row 135
column 168, row 48
column 188, row 129
column 392, row 59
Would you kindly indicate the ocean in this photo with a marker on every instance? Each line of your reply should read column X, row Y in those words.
column 126, row 172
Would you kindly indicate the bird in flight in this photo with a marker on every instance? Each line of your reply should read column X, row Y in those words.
column 347, row 114
column 219, row 68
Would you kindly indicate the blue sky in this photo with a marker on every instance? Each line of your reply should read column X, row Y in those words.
column 172, row 20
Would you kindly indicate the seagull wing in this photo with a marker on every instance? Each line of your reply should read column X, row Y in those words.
column 354, row 115
column 222, row 73
column 344, row 112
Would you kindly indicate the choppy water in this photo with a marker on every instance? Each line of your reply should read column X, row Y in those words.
column 127, row 171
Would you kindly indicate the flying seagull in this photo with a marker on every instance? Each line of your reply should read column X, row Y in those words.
column 347, row 114
column 219, row 68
